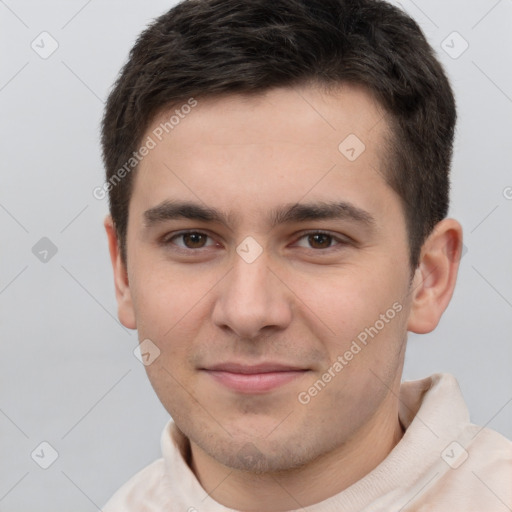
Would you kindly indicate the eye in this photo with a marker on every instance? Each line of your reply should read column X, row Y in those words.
column 315, row 240
column 321, row 240
column 190, row 240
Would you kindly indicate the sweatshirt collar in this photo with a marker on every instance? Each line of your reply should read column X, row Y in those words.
column 433, row 413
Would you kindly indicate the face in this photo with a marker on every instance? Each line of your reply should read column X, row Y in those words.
column 267, row 259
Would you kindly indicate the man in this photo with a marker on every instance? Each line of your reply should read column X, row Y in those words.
column 278, row 183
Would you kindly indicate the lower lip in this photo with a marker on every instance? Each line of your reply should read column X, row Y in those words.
column 254, row 382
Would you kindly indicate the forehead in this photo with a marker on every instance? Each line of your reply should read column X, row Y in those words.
column 263, row 116
column 255, row 151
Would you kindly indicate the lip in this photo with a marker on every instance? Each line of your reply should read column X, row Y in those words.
column 260, row 378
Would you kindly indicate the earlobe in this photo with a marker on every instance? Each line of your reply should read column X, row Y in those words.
column 435, row 277
column 125, row 310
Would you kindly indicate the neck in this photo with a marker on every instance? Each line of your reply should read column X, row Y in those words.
column 312, row 483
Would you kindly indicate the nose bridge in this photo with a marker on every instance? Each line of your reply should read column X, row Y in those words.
column 250, row 280
column 251, row 298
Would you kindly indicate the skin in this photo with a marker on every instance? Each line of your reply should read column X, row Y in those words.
column 301, row 302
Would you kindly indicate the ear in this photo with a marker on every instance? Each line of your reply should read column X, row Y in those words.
column 435, row 277
column 125, row 310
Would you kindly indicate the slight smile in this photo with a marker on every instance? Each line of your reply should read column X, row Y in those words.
column 259, row 378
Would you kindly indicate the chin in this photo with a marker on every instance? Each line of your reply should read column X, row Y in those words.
column 258, row 457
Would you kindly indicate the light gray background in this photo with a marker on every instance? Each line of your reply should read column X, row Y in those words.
column 68, row 373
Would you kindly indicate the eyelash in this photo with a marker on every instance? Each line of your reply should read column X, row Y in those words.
column 342, row 242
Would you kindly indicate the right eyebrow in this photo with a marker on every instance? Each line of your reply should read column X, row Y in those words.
column 171, row 210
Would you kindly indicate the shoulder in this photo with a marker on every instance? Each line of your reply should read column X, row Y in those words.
column 475, row 473
column 139, row 490
column 491, row 453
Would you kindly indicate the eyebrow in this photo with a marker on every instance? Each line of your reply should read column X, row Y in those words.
column 286, row 214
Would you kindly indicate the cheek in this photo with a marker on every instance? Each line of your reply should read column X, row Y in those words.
column 165, row 298
column 345, row 303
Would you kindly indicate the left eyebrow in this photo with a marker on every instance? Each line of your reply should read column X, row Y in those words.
column 286, row 214
column 341, row 210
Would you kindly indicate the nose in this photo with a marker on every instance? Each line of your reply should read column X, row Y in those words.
column 251, row 298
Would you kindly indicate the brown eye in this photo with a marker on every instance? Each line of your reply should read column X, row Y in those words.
column 320, row 241
column 194, row 240
column 189, row 240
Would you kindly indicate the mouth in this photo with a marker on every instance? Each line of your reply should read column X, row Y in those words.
column 260, row 378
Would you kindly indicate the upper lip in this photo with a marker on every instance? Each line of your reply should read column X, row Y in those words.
column 256, row 368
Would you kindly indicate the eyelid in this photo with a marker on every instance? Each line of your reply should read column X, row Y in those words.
column 167, row 239
column 341, row 239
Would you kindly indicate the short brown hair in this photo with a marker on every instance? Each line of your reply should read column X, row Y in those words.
column 211, row 47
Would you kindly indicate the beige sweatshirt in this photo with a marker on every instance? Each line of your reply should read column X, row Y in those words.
column 442, row 463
